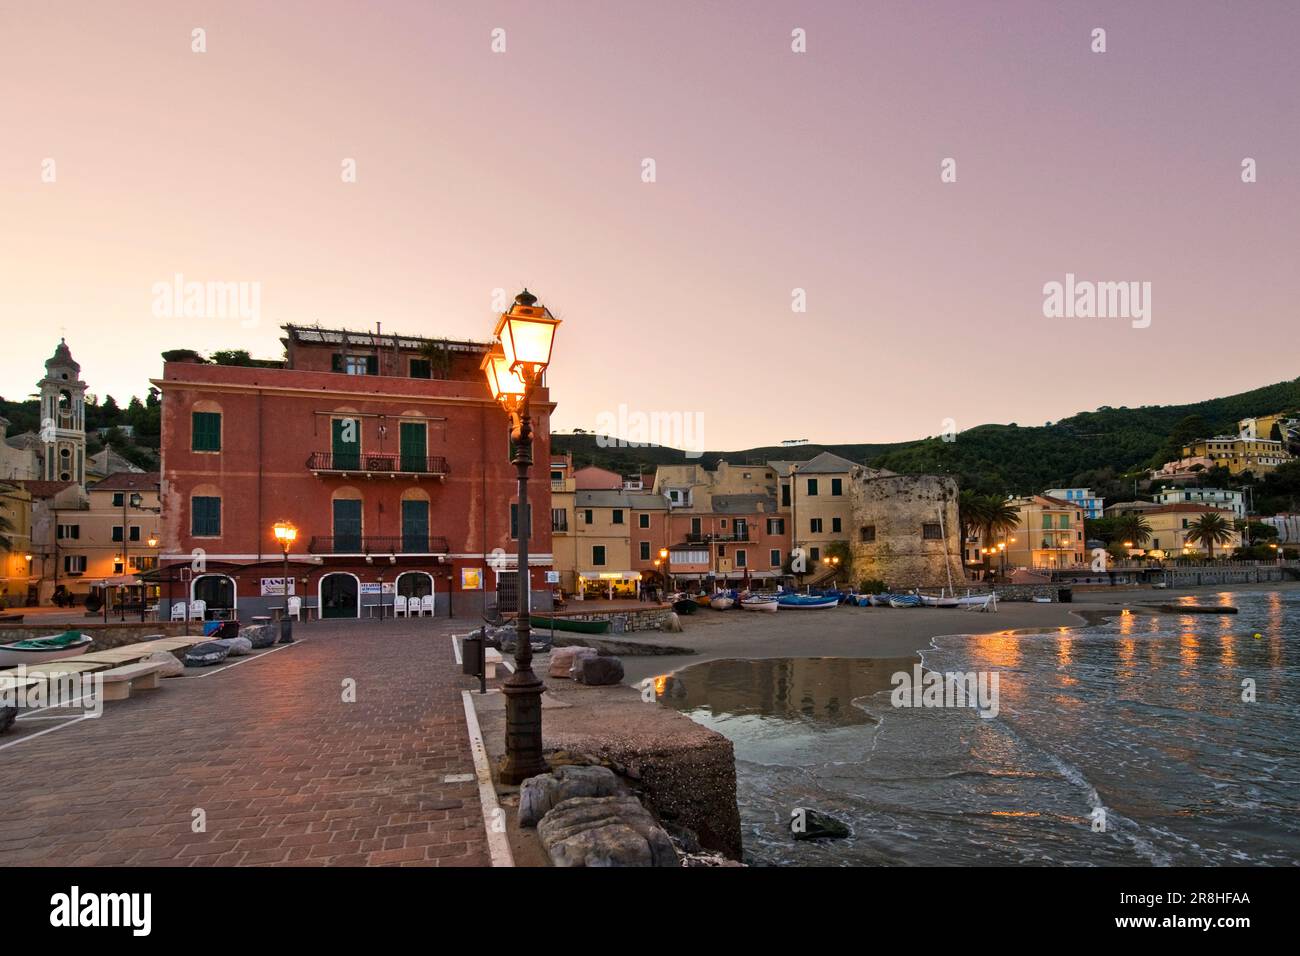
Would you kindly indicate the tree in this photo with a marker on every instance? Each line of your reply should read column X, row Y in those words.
column 1132, row 527
column 1210, row 529
column 6, row 544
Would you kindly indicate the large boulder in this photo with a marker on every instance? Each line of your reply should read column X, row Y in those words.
column 238, row 646
column 604, row 831
column 598, row 670
column 171, row 665
column 260, row 635
column 538, row 795
column 580, row 654
column 206, row 654
column 562, row 661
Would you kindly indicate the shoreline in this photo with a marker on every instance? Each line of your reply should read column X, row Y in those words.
column 869, row 633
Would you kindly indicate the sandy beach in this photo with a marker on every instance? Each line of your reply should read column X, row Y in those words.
column 885, row 632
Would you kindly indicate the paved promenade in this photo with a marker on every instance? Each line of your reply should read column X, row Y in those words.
column 285, row 770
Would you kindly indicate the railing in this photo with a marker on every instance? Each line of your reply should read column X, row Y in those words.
column 721, row 536
column 376, row 463
column 378, row 544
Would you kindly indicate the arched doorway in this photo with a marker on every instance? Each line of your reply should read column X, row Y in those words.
column 217, row 591
column 339, row 595
column 414, row 585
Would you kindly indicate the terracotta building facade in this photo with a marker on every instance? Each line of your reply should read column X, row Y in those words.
column 385, row 451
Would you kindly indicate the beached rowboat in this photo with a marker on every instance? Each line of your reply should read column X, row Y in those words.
column 757, row 603
column 806, row 602
column 568, row 624
column 38, row 650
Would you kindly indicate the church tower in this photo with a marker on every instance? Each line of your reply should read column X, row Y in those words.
column 63, row 418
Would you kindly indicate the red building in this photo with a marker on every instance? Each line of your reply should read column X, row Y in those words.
column 387, row 453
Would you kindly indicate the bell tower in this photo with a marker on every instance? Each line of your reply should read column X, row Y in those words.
column 63, row 418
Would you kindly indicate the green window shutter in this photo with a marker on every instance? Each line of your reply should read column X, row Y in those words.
column 336, row 362
column 347, row 454
column 415, row 527
column 372, row 364
column 205, row 431
column 414, row 446
column 205, row 517
column 347, row 524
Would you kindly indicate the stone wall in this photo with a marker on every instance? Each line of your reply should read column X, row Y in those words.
column 897, row 506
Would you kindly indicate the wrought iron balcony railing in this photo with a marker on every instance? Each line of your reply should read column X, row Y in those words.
column 378, row 545
column 376, row 464
column 718, row 536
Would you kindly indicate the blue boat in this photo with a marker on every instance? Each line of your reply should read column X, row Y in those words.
column 806, row 602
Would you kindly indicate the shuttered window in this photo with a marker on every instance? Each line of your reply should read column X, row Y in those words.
column 205, row 517
column 205, row 431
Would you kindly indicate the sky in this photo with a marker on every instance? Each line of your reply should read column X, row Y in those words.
column 128, row 158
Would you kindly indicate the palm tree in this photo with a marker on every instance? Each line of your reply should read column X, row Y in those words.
column 5, row 527
column 1210, row 529
column 1133, row 527
column 971, row 507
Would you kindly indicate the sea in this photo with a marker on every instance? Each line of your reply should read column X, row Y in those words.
column 1149, row 739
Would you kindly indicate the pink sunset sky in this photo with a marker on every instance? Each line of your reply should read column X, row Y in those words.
column 775, row 170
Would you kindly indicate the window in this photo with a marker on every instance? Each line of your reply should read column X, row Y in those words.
column 415, row 526
column 695, row 526
column 557, row 476
column 421, row 368
column 774, row 557
column 69, row 531
column 586, row 516
column 413, row 445
column 776, row 526
column 722, row 550
column 815, row 525
column 812, row 487
column 740, row 557
column 814, row 554
column 643, row 521
column 837, row 486
column 117, row 500
column 74, row 563
column 514, row 520
column 785, row 495
column 356, row 364
column 347, row 525
column 645, row 550
column 617, row 516
column 931, row 532
column 205, row 431
column 836, row 526
column 117, row 532
column 143, row 562
column 598, row 555
column 559, row 519
column 135, row 534
column 867, row 533
column 117, row 565
column 205, row 517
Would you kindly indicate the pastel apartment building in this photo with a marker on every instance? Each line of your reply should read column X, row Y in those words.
column 1050, row 534
column 1091, row 504
column 385, row 451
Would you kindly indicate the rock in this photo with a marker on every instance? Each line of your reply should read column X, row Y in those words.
column 7, row 716
column 580, row 654
column 673, row 624
column 598, row 670
column 604, row 831
column 206, row 654
column 238, row 646
column 683, row 838
column 538, row 795
column 171, row 666
column 809, row 824
column 260, row 635
column 561, row 661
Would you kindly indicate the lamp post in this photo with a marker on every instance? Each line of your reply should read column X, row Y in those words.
column 285, row 534
column 514, row 368
column 664, row 555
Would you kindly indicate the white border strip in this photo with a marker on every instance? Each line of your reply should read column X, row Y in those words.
column 498, row 842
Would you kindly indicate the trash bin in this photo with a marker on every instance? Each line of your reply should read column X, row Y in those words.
column 1065, row 595
column 471, row 654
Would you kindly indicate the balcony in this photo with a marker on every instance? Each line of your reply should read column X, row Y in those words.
column 377, row 465
column 721, row 536
column 378, row 545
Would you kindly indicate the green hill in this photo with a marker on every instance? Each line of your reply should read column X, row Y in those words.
column 1091, row 448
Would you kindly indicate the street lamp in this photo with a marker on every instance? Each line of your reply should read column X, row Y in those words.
column 285, row 534
column 514, row 368
column 668, row 585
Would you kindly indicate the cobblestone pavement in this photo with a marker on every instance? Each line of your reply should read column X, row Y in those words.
column 286, row 771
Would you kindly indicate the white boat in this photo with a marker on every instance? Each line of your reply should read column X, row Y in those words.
column 722, row 603
column 952, row 601
column 759, row 604
column 38, row 650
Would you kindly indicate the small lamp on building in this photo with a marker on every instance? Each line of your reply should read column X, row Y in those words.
column 285, row 535
column 513, row 368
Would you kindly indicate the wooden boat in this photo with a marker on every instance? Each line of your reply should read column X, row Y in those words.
column 759, row 602
column 568, row 624
column 721, row 602
column 685, row 606
column 905, row 600
column 952, row 601
column 806, row 602
column 38, row 650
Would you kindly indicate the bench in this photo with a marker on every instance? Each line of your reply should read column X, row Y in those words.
column 491, row 658
column 120, row 681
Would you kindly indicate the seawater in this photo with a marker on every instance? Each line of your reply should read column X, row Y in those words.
column 1139, row 723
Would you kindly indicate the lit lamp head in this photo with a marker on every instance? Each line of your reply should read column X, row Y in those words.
column 285, row 535
column 506, row 386
column 527, row 333
column 153, row 541
column 663, row 554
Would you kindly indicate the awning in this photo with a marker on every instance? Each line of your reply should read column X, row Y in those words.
column 610, row 575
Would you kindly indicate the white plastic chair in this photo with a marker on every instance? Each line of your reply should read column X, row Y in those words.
column 399, row 606
column 426, row 605
column 295, row 608
column 178, row 611
column 198, row 610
